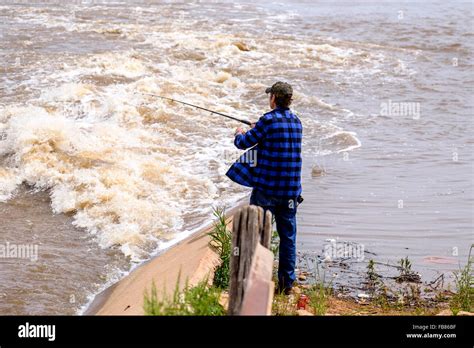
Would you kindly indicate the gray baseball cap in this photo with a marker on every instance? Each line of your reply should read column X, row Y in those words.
column 280, row 88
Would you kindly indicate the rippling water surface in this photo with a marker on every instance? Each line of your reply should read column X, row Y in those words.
column 100, row 177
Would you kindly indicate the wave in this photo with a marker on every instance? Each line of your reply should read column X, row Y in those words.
column 129, row 167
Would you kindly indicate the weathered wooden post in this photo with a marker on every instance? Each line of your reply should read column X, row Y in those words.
column 251, row 263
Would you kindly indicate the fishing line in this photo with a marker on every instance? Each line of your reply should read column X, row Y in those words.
column 199, row 107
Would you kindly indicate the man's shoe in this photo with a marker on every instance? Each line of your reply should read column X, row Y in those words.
column 286, row 291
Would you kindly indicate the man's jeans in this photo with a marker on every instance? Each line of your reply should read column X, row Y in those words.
column 284, row 211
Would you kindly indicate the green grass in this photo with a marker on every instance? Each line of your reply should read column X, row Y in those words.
column 283, row 305
column 463, row 299
column 200, row 300
column 221, row 241
column 371, row 274
column 405, row 266
column 406, row 273
column 275, row 243
column 319, row 293
column 381, row 298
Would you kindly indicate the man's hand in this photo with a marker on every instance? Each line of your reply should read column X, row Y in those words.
column 242, row 131
column 239, row 131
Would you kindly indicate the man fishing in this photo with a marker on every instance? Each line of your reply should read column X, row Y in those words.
column 275, row 176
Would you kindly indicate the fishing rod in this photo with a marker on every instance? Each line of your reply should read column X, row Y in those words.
column 199, row 107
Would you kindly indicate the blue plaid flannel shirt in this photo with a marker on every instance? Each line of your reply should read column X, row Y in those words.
column 277, row 168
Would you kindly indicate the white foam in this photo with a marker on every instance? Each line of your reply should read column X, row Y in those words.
column 129, row 166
